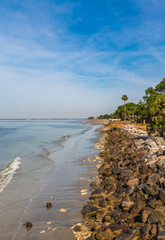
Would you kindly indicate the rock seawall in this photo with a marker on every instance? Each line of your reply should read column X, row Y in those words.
column 128, row 201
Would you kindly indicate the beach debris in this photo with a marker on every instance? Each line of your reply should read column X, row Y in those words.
column 49, row 228
column 63, row 210
column 42, row 231
column 84, row 191
column 54, row 229
column 81, row 178
column 51, row 197
column 49, row 205
column 48, row 223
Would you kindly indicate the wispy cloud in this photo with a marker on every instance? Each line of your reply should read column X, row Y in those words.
column 46, row 60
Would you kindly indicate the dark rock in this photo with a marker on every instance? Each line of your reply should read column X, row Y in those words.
column 130, row 235
column 145, row 232
column 102, row 203
column 99, row 215
column 138, row 207
column 160, row 152
column 144, row 169
column 162, row 182
column 152, row 203
column 161, row 236
column 94, row 185
column 49, row 205
column 77, row 229
column 145, row 213
column 161, row 232
column 161, row 163
column 104, row 235
column 114, row 227
column 90, row 238
column 96, row 193
column 157, row 215
column 162, row 196
column 153, row 231
column 153, row 178
column 28, row 225
column 150, row 190
column 91, row 225
column 116, row 170
column 88, row 209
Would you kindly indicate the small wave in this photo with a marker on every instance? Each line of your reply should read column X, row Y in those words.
column 54, row 146
column 6, row 175
column 43, row 156
column 66, row 137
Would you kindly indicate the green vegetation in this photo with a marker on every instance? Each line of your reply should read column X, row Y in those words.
column 124, row 98
column 91, row 118
column 105, row 116
column 151, row 110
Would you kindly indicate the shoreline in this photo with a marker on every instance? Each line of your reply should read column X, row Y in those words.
column 128, row 199
column 61, row 185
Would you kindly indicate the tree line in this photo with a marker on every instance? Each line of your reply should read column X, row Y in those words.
column 150, row 110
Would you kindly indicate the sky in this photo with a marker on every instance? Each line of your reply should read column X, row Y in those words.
column 76, row 58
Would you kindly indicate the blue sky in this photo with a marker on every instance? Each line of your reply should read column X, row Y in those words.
column 77, row 58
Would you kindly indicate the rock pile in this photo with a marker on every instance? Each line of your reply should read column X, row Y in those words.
column 128, row 202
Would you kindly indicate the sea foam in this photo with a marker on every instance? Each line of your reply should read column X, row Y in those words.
column 6, row 175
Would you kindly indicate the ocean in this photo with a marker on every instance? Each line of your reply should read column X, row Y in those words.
column 42, row 161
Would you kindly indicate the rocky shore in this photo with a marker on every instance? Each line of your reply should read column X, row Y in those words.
column 128, row 200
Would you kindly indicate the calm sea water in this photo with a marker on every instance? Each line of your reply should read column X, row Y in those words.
column 37, row 158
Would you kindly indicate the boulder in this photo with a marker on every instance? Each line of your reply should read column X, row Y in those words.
column 127, row 205
column 138, row 207
column 157, row 215
column 145, row 213
column 161, row 163
column 145, row 232
column 162, row 196
column 133, row 183
column 88, row 209
column 153, row 231
column 130, row 235
column 153, row 178
column 150, row 190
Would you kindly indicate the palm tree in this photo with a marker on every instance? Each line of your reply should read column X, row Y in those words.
column 124, row 98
